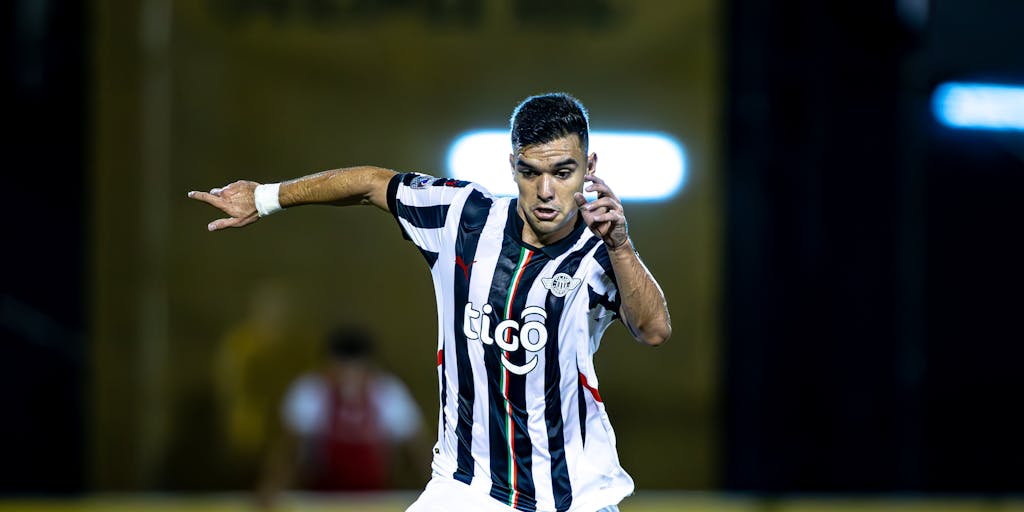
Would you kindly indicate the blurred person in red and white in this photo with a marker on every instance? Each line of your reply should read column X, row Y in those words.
column 348, row 426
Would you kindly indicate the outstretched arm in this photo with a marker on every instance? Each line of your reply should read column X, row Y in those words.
column 644, row 309
column 340, row 187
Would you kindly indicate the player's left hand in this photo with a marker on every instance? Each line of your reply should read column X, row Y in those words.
column 237, row 200
column 603, row 215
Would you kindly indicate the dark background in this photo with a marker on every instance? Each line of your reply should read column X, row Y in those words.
column 872, row 278
column 43, row 308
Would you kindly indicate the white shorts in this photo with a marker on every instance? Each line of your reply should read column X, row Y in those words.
column 445, row 495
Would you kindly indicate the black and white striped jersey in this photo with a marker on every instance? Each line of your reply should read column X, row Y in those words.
column 520, row 417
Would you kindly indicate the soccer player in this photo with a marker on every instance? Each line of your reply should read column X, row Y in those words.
column 525, row 287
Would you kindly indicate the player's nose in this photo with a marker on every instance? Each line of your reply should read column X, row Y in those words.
column 545, row 188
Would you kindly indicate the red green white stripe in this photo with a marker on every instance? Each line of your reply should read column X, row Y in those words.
column 513, row 287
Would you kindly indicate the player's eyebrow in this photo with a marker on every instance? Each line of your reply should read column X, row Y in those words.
column 568, row 162
column 521, row 163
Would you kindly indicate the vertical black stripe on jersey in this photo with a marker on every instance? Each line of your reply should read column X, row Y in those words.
column 613, row 306
column 517, row 391
column 583, row 406
column 508, row 259
column 601, row 255
column 560, row 485
column 471, row 223
column 444, row 396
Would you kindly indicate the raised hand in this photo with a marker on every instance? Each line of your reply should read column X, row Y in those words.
column 236, row 200
column 604, row 215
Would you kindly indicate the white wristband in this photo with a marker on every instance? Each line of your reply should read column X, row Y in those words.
column 266, row 199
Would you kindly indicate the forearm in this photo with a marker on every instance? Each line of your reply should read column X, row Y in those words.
column 643, row 306
column 341, row 187
column 246, row 201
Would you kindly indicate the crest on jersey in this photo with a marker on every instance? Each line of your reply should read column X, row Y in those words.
column 421, row 181
column 560, row 284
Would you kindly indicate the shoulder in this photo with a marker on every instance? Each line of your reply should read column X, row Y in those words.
column 598, row 275
column 389, row 387
column 417, row 190
column 427, row 183
column 307, row 387
column 305, row 405
column 590, row 256
column 604, row 262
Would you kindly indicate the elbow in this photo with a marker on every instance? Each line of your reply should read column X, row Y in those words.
column 655, row 335
column 652, row 329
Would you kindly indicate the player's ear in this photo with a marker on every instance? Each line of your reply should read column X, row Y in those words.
column 592, row 163
column 512, row 165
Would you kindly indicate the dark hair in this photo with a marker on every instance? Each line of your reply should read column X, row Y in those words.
column 349, row 343
column 546, row 117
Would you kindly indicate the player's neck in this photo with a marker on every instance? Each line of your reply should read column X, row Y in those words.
column 531, row 237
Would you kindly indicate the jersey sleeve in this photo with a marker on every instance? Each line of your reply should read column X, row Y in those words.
column 422, row 206
column 603, row 290
column 303, row 410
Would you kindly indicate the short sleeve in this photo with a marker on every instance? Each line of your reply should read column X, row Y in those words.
column 422, row 206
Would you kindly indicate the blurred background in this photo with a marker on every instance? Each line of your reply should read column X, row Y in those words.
column 843, row 265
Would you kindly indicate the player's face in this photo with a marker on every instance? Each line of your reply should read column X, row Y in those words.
column 548, row 175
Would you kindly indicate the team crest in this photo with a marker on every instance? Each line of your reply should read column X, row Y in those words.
column 560, row 284
column 422, row 181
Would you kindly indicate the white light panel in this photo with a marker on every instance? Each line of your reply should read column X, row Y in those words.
column 638, row 166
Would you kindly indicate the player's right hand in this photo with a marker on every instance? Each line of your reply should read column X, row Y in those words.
column 237, row 200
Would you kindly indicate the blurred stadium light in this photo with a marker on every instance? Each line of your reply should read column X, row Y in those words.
column 638, row 166
column 979, row 106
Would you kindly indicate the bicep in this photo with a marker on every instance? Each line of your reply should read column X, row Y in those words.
column 377, row 188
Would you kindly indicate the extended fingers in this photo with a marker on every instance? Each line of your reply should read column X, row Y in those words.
column 230, row 222
column 222, row 199
column 207, row 197
column 221, row 224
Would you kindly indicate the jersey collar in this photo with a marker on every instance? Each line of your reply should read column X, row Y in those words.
column 514, row 229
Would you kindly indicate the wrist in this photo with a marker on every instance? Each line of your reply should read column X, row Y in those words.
column 266, row 199
column 625, row 248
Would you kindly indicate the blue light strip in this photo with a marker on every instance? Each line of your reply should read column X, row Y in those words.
column 979, row 106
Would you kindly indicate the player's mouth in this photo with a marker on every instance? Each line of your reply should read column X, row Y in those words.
column 545, row 212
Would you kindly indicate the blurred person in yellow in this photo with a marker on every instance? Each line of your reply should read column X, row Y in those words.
column 257, row 359
column 525, row 288
column 346, row 425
